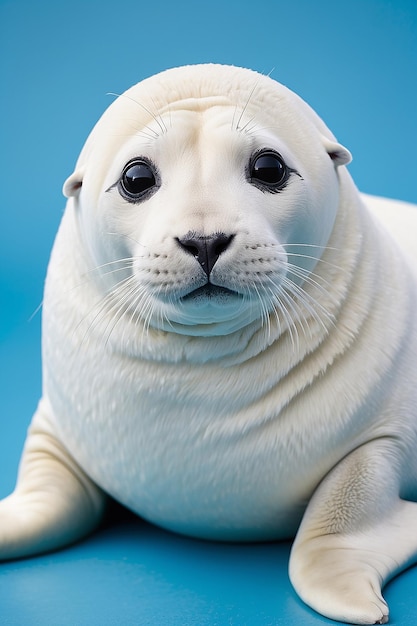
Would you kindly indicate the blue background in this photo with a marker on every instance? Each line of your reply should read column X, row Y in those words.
column 356, row 63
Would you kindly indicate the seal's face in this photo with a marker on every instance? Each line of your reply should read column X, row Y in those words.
column 208, row 217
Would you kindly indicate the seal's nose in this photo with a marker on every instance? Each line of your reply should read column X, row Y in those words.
column 206, row 249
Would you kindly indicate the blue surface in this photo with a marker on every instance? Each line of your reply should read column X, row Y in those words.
column 356, row 63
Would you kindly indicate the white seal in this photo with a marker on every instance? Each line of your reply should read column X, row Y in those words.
column 229, row 341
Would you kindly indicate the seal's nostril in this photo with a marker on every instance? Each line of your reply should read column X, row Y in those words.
column 206, row 249
column 221, row 245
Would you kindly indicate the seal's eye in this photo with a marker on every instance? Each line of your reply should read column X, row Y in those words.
column 268, row 171
column 138, row 178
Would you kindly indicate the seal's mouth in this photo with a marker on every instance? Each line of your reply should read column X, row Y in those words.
column 208, row 311
column 208, row 293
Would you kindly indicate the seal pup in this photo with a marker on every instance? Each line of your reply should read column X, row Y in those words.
column 229, row 341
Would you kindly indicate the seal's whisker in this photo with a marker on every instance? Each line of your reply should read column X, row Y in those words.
column 135, row 311
column 99, row 307
column 265, row 317
column 126, row 236
column 128, row 263
column 147, row 311
column 312, row 306
column 247, row 128
column 160, row 118
column 300, row 306
column 314, row 258
column 147, row 135
column 310, row 278
column 279, row 307
column 147, row 132
column 238, row 127
column 163, row 316
column 233, row 126
column 285, row 307
column 296, row 314
column 304, row 307
column 307, row 296
column 146, row 109
column 120, row 308
column 276, row 308
column 310, row 245
column 127, row 266
column 137, row 307
column 36, row 311
column 109, row 308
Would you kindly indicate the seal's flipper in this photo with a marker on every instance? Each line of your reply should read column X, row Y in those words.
column 54, row 502
column 356, row 534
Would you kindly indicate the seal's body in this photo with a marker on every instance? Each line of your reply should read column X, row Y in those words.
column 229, row 341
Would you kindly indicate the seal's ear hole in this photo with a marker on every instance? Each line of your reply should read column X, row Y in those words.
column 73, row 184
column 338, row 153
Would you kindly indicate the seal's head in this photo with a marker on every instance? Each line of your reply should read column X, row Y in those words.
column 202, row 193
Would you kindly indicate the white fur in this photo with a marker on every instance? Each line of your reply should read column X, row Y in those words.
column 223, row 417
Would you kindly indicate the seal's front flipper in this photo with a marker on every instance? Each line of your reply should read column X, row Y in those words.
column 356, row 534
column 54, row 502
